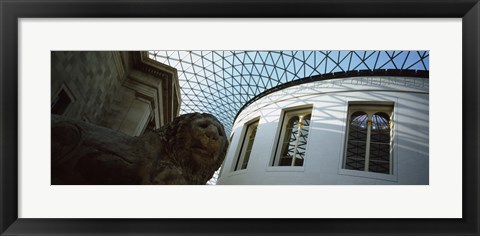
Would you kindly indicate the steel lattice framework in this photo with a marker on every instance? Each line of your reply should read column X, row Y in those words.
column 221, row 82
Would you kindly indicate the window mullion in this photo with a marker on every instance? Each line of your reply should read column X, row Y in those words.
column 390, row 124
column 367, row 148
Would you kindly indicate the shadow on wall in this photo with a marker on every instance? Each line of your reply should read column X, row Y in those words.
column 325, row 152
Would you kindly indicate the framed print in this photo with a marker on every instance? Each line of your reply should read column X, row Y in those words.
column 337, row 113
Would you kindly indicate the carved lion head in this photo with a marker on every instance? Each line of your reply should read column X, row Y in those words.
column 197, row 142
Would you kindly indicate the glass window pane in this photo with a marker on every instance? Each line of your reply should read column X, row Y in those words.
column 289, row 141
column 380, row 144
column 246, row 147
column 61, row 102
column 302, row 141
column 292, row 145
column 357, row 141
column 380, row 132
column 251, row 138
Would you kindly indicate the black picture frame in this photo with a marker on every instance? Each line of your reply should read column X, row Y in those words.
column 12, row 10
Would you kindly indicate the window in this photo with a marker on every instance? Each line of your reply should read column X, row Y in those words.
column 60, row 103
column 292, row 142
column 369, row 139
column 247, row 144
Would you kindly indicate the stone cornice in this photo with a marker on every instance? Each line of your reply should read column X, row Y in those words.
column 142, row 63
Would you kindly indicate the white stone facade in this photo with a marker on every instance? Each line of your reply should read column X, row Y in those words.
column 325, row 151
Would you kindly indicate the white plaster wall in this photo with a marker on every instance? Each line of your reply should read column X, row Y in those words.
column 325, row 148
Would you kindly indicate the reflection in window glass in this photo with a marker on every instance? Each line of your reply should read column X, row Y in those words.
column 357, row 141
column 369, row 139
column 294, row 138
column 246, row 148
column 380, row 143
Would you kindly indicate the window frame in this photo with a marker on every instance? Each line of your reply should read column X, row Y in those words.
column 370, row 108
column 63, row 88
column 240, row 155
column 286, row 115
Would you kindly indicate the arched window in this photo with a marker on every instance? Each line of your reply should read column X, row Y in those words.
column 292, row 144
column 289, row 141
column 368, row 145
column 357, row 141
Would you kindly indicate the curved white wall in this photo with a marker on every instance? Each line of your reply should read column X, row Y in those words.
column 325, row 148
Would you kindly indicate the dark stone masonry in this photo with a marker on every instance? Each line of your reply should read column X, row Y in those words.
column 187, row 150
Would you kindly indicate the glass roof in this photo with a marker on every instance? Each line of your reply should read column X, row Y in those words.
column 221, row 82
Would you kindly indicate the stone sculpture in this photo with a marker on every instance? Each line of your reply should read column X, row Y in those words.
column 187, row 150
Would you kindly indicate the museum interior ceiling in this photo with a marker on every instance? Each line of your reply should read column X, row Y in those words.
column 222, row 82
